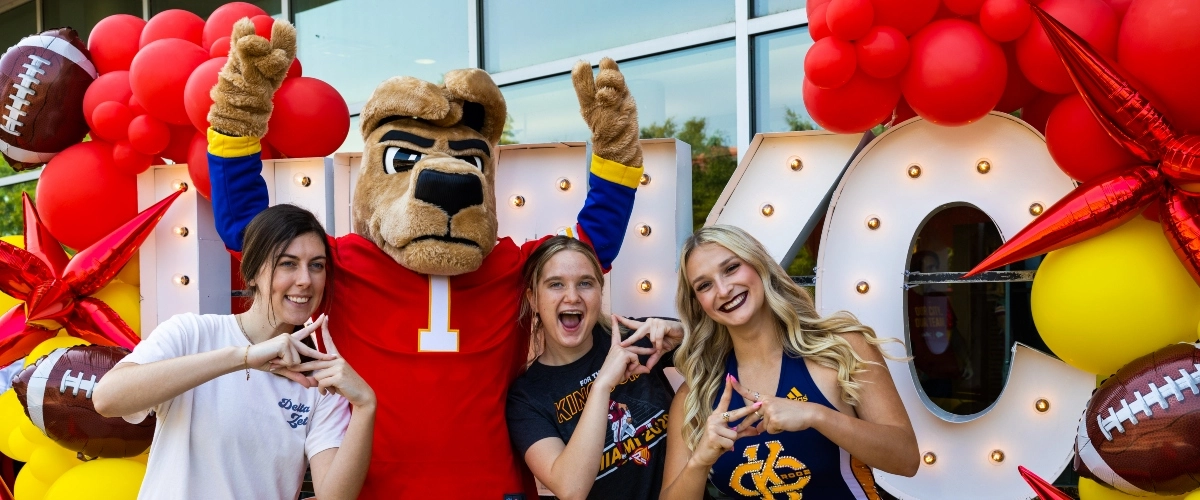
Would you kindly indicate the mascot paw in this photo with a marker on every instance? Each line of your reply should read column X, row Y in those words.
column 255, row 70
column 609, row 111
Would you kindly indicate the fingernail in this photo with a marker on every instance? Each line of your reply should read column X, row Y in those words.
column 728, row 377
column 758, row 404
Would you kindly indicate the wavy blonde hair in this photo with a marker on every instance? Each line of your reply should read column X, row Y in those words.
column 803, row 332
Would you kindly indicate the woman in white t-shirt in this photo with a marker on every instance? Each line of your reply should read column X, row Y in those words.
column 239, row 416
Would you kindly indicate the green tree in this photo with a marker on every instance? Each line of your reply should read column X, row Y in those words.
column 11, row 209
column 508, row 136
column 713, row 161
column 795, row 122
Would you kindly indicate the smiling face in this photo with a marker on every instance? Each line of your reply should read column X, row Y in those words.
column 567, row 299
column 728, row 289
column 297, row 280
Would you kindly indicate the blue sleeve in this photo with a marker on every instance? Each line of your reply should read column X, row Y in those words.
column 238, row 190
column 605, row 214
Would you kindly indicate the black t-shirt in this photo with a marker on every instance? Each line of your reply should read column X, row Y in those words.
column 547, row 400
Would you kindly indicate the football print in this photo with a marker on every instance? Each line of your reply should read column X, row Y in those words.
column 56, row 392
column 1141, row 431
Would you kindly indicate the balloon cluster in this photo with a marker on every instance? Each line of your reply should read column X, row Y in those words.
column 951, row 62
column 150, row 104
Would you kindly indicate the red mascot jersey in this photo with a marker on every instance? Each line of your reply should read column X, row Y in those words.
column 439, row 351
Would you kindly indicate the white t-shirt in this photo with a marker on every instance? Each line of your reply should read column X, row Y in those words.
column 231, row 437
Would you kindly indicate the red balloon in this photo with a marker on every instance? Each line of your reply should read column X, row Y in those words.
column 908, row 16
column 883, row 52
column 196, row 98
column 1017, row 90
column 295, row 69
column 148, row 135
column 1005, row 20
column 956, row 74
column 963, row 7
column 310, row 119
column 81, row 196
column 830, row 63
column 220, row 48
column 113, row 86
column 220, row 22
column 181, row 143
column 811, row 6
column 1158, row 47
column 197, row 164
column 1080, row 145
column 1037, row 112
column 849, row 19
column 114, row 41
column 268, row 151
column 1119, row 7
column 173, row 23
column 1091, row 19
column 128, row 160
column 817, row 27
column 1043, row 488
column 860, row 104
column 112, row 121
column 262, row 25
column 135, row 108
column 160, row 72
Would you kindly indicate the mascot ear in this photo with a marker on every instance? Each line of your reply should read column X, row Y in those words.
column 483, row 107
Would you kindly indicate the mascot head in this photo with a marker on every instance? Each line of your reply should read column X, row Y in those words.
column 425, row 193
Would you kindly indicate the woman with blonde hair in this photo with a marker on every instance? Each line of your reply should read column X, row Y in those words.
column 807, row 405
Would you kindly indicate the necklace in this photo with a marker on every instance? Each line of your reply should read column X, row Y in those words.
column 238, row 317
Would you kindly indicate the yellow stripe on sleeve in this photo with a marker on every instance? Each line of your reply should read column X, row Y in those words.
column 224, row 146
column 617, row 173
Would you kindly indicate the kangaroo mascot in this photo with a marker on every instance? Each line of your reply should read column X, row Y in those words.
column 423, row 299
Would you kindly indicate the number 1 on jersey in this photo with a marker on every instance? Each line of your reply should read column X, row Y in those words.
column 438, row 337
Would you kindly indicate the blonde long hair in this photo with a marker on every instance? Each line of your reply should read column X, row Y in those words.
column 803, row 332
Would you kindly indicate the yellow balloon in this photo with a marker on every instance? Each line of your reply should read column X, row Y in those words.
column 62, row 340
column 9, row 417
column 1101, row 303
column 20, row 446
column 33, row 434
column 1091, row 490
column 1195, row 495
column 143, row 458
column 101, row 479
column 49, row 462
column 130, row 274
column 126, row 300
column 27, row 486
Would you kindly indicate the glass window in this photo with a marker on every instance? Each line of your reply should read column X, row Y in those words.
column 961, row 334
column 203, row 8
column 768, row 7
column 17, row 23
column 84, row 14
column 519, row 33
column 778, row 81
column 355, row 45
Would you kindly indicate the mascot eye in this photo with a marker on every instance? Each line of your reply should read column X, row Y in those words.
column 474, row 160
column 396, row 160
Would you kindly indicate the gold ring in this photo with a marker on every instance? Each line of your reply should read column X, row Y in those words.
column 725, row 416
column 759, row 414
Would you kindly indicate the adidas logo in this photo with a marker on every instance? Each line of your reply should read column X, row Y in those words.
column 796, row 395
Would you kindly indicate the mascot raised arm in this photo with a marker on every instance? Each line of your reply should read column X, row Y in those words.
column 424, row 298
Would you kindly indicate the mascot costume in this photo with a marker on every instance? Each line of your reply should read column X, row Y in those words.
column 424, row 298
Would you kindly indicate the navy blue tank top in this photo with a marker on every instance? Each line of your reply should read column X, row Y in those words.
column 789, row 465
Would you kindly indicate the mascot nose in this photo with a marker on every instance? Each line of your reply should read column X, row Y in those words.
column 450, row 192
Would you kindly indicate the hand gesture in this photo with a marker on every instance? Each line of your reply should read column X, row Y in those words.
column 718, row 436
column 621, row 362
column 610, row 112
column 337, row 376
column 281, row 354
column 665, row 334
column 255, row 70
column 776, row 415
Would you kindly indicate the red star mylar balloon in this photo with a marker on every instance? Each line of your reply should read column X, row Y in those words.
column 55, row 288
column 5, row 493
column 1044, row 490
column 1172, row 163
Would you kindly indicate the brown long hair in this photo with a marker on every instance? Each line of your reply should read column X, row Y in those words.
column 269, row 234
column 531, row 273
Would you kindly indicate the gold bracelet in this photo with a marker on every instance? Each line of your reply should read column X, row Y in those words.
column 246, row 362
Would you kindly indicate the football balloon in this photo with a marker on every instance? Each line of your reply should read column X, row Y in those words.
column 1138, row 434
column 56, row 392
column 43, row 79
